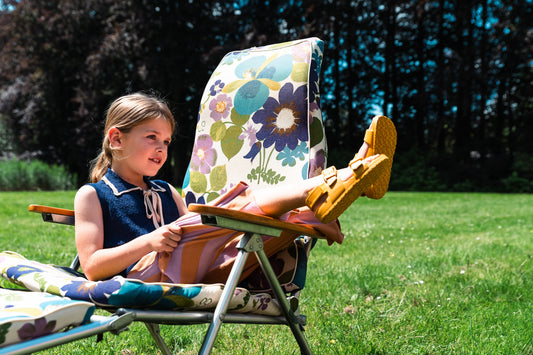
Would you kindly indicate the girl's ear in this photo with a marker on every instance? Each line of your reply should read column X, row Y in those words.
column 115, row 138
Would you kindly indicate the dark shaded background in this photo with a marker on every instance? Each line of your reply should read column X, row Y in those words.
column 455, row 76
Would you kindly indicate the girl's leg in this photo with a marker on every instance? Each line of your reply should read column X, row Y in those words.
column 281, row 199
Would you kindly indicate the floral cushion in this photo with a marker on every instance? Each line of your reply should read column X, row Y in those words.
column 128, row 293
column 28, row 315
column 259, row 121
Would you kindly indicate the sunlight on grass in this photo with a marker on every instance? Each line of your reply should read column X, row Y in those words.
column 417, row 273
column 433, row 273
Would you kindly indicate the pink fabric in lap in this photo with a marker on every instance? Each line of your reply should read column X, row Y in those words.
column 205, row 254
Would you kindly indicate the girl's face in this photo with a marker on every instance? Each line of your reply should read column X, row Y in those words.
column 143, row 150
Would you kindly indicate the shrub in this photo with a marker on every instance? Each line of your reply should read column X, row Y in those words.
column 413, row 171
column 19, row 175
column 516, row 183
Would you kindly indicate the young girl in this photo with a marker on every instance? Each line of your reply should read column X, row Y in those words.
column 127, row 224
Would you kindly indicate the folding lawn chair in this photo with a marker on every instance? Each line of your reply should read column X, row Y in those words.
column 34, row 321
column 259, row 122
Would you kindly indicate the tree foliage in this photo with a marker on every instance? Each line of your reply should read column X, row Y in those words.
column 455, row 76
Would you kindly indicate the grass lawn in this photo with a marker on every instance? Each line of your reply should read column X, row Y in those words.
column 418, row 273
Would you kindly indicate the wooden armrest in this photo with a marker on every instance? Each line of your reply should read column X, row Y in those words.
column 65, row 216
column 48, row 209
column 54, row 214
column 254, row 219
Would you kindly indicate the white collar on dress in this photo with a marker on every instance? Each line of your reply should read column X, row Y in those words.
column 152, row 201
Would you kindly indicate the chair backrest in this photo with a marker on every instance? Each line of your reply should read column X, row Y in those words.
column 259, row 121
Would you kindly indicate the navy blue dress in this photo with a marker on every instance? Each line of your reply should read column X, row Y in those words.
column 129, row 211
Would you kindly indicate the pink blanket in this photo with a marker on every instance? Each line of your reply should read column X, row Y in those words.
column 206, row 254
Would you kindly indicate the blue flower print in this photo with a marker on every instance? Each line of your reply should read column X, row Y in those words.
column 177, row 297
column 190, row 197
column 230, row 58
column 313, row 82
column 284, row 123
column 16, row 272
column 96, row 292
column 254, row 150
column 288, row 157
column 136, row 294
column 216, row 87
column 317, row 55
column 187, row 178
column 316, row 64
column 257, row 76
column 305, row 170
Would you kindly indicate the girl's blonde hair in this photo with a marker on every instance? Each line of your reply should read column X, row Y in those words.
column 125, row 113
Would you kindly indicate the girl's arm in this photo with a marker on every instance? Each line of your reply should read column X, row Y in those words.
column 99, row 263
column 182, row 208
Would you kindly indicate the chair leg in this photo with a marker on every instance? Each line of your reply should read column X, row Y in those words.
column 154, row 331
column 296, row 327
column 251, row 242
column 227, row 294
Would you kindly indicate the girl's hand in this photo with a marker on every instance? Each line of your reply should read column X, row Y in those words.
column 165, row 238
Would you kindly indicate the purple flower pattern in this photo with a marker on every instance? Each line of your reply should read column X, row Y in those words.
column 250, row 133
column 220, row 107
column 41, row 327
column 203, row 156
column 316, row 164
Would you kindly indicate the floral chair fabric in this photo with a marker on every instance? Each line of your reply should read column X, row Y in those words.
column 260, row 122
column 29, row 315
column 127, row 293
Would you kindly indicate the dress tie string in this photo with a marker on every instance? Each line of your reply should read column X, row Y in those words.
column 153, row 207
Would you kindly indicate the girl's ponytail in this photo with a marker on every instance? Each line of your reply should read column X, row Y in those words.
column 102, row 162
column 99, row 166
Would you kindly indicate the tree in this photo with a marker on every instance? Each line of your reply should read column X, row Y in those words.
column 455, row 76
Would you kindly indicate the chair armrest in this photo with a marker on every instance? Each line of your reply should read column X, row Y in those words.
column 54, row 214
column 249, row 219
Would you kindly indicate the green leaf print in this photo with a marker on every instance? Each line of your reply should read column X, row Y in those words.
column 4, row 328
column 316, row 131
column 198, row 182
column 218, row 178
column 237, row 118
column 231, row 144
column 217, row 131
column 300, row 72
column 211, row 196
